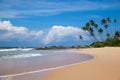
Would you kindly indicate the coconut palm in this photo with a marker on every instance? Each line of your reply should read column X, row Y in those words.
column 91, row 31
column 100, row 31
column 92, row 22
column 106, row 28
column 108, row 35
column 115, row 22
column 103, row 21
column 117, row 35
column 87, row 26
column 80, row 37
column 96, row 27
column 108, row 20
column 85, row 29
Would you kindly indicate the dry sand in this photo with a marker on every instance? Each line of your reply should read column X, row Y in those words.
column 106, row 66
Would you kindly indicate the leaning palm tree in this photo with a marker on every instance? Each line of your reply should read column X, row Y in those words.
column 80, row 37
column 117, row 32
column 108, row 35
column 108, row 20
column 117, row 35
column 92, row 22
column 115, row 22
column 106, row 28
column 117, row 29
column 86, row 31
column 100, row 31
column 96, row 27
column 91, row 31
column 103, row 21
column 87, row 26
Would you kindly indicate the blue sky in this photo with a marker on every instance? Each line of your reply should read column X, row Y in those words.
column 51, row 22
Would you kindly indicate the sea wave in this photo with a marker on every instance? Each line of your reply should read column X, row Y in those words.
column 25, row 55
column 15, row 49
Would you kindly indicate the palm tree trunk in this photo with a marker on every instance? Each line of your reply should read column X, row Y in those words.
column 107, row 32
column 95, row 38
column 101, row 37
column 89, row 37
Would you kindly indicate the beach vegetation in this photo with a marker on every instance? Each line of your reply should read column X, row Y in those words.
column 101, row 35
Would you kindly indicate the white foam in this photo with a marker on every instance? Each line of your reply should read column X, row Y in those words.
column 15, row 49
column 24, row 55
column 27, row 49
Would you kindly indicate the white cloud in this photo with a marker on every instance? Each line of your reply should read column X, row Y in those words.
column 9, row 31
column 57, row 33
column 6, row 25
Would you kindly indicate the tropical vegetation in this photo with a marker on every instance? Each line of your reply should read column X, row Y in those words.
column 101, row 35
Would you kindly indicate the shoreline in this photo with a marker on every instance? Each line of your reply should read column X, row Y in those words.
column 49, row 69
column 73, row 56
column 104, row 67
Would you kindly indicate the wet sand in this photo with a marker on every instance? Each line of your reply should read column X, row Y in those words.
column 106, row 66
column 37, row 67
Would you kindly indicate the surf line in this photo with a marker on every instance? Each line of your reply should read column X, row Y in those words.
column 49, row 69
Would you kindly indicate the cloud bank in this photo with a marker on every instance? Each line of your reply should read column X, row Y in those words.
column 58, row 33
column 55, row 34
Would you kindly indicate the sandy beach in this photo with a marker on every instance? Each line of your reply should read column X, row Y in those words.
column 106, row 66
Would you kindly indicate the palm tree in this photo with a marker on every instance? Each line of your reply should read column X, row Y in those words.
column 87, row 26
column 100, row 31
column 80, row 37
column 85, row 29
column 92, row 22
column 106, row 28
column 103, row 21
column 108, row 35
column 115, row 22
column 91, row 31
column 108, row 19
column 117, row 35
column 117, row 32
column 96, row 27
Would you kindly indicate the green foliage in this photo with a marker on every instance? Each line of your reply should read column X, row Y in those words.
column 97, row 44
column 112, row 42
column 92, row 28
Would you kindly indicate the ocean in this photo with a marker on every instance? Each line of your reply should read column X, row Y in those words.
column 9, row 53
